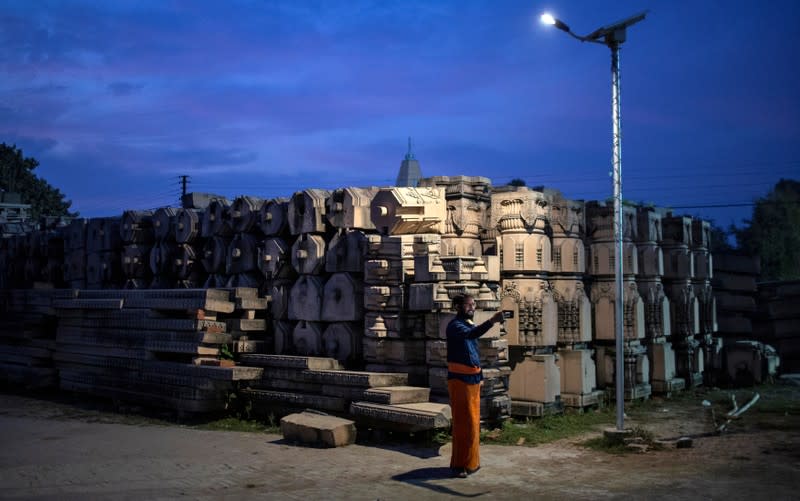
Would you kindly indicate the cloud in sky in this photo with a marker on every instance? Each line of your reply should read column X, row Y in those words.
column 117, row 99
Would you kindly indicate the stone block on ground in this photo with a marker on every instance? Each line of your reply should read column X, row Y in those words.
column 404, row 417
column 318, row 429
column 397, row 395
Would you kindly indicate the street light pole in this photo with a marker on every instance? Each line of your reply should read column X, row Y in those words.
column 616, row 176
column 612, row 36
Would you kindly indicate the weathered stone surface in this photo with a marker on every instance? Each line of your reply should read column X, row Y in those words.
column 397, row 211
column 187, row 225
column 346, row 252
column 88, row 304
column 394, row 350
column 135, row 227
column 245, row 213
column 306, row 298
column 536, row 379
column 307, row 338
column 265, row 398
column 318, row 429
column 342, row 299
column 141, row 322
column 342, row 341
column 216, row 219
column 290, row 362
column 242, row 254
column 357, row 378
column 350, row 208
column 246, row 324
column 577, row 371
column 306, row 211
column 412, row 417
column 273, row 218
column 392, row 395
column 308, row 254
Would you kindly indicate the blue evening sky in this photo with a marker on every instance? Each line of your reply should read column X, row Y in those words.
column 116, row 99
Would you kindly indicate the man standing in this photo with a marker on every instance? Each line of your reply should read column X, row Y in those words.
column 464, row 379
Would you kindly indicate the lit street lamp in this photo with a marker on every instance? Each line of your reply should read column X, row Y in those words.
column 612, row 36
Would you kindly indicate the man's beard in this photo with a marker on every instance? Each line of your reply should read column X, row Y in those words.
column 468, row 314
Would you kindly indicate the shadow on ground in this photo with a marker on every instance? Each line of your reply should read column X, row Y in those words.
column 424, row 477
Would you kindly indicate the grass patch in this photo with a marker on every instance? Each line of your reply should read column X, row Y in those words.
column 601, row 444
column 640, row 436
column 243, row 425
column 548, row 428
column 440, row 437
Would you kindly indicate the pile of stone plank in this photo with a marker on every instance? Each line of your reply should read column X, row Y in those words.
column 27, row 338
column 376, row 399
column 735, row 294
column 778, row 320
column 156, row 347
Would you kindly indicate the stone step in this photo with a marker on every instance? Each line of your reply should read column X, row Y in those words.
column 290, row 362
column 357, row 378
column 404, row 417
column 318, row 429
column 392, row 395
column 263, row 399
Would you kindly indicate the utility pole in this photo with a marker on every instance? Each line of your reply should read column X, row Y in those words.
column 184, row 181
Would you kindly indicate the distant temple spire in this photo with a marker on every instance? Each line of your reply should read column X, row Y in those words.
column 410, row 172
column 410, row 154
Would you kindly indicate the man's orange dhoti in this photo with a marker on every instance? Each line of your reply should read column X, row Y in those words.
column 465, row 404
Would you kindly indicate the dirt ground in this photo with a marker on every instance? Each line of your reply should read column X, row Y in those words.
column 55, row 449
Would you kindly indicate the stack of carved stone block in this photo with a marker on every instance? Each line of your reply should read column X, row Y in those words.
column 656, row 305
column 6, row 278
column 676, row 245
column 602, row 259
column 44, row 256
column 136, row 232
column 186, row 264
column 164, row 250
column 710, row 345
column 241, row 256
column 75, row 253
column 307, row 223
column 27, row 338
column 103, row 253
column 735, row 292
column 778, row 320
column 247, row 323
column 522, row 216
column 408, row 221
column 458, row 265
column 215, row 232
column 575, row 351
column 326, row 299
column 147, row 346
column 348, row 211
column 275, row 263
